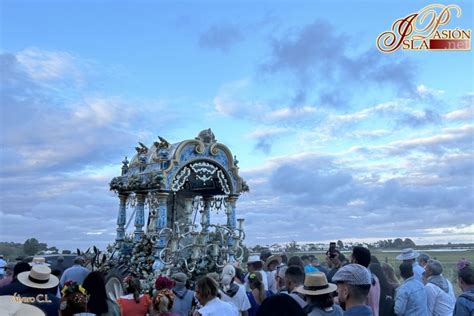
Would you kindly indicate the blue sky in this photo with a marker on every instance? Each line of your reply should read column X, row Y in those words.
column 336, row 139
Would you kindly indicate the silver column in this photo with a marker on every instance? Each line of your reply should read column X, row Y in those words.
column 121, row 220
column 139, row 216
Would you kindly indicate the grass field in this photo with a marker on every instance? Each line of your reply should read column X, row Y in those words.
column 448, row 258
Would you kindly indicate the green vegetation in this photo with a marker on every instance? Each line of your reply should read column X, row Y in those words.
column 30, row 247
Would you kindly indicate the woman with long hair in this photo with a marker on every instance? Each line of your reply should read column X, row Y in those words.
column 98, row 302
column 387, row 293
column 257, row 292
column 389, row 273
column 134, row 303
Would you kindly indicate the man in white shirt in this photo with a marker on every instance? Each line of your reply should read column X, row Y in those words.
column 271, row 263
column 232, row 292
column 439, row 291
column 254, row 264
column 206, row 293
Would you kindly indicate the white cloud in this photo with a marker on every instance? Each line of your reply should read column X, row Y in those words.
column 449, row 136
column 466, row 229
column 103, row 111
column 425, row 91
column 291, row 112
column 44, row 66
column 464, row 114
column 376, row 133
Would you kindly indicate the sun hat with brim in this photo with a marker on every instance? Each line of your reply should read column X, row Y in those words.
column 354, row 274
column 12, row 306
column 39, row 261
column 407, row 254
column 39, row 277
column 315, row 284
column 273, row 258
column 253, row 259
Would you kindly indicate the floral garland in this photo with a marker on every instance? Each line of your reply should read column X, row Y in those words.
column 74, row 299
column 71, row 287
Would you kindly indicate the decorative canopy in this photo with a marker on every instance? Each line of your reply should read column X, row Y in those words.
column 200, row 166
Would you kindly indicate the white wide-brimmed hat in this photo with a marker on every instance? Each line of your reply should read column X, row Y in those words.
column 39, row 277
column 316, row 283
column 407, row 254
column 253, row 259
column 12, row 306
column 39, row 261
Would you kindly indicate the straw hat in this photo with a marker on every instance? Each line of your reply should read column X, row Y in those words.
column 11, row 306
column 39, row 277
column 316, row 284
column 39, row 261
column 272, row 258
column 407, row 254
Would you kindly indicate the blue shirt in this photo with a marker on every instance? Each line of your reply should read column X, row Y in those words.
column 183, row 301
column 360, row 310
column 418, row 271
column 3, row 264
column 75, row 273
column 410, row 298
column 465, row 304
column 309, row 268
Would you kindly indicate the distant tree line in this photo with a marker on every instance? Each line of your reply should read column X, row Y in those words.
column 30, row 247
column 293, row 246
column 396, row 243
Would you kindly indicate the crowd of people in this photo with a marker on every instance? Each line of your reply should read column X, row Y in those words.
column 270, row 285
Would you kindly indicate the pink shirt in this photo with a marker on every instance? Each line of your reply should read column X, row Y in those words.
column 374, row 297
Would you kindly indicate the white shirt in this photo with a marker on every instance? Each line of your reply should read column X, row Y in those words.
column 239, row 300
column 216, row 307
column 272, row 285
column 440, row 303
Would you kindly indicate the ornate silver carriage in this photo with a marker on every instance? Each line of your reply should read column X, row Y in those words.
column 179, row 186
